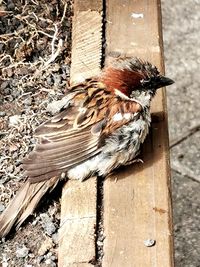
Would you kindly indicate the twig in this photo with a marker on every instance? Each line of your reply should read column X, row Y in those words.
column 64, row 12
column 5, row 35
column 48, row 35
column 54, row 53
column 7, row 56
column 184, row 136
column 54, row 39
column 185, row 171
column 35, row 2
column 35, row 16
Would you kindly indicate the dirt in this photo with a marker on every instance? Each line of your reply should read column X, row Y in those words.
column 35, row 42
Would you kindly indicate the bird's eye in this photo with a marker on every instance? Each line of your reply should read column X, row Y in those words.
column 144, row 82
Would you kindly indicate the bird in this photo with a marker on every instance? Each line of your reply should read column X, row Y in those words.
column 100, row 127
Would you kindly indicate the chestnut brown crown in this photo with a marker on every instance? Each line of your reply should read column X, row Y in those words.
column 130, row 74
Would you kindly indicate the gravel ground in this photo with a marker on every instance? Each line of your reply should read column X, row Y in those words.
column 34, row 71
column 181, row 23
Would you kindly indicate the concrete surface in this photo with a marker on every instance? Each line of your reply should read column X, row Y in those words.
column 181, row 24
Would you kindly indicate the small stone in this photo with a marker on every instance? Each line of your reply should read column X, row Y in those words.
column 46, row 245
column 17, row 170
column 7, row 91
column 67, row 70
column 14, row 120
column 47, row 224
column 35, row 221
column 33, row 141
column 15, row 92
column 10, row 5
column 15, row 156
column 149, row 242
column 22, row 252
column 13, row 147
column 57, row 80
column 2, row 46
column 56, row 67
column 9, row 72
column 55, row 238
column 2, row 113
column 100, row 243
column 23, row 71
column 9, row 97
column 4, row 85
column 40, row 259
column 49, row 262
column 2, row 207
column 53, row 258
column 63, row 175
column 49, row 255
column 10, row 169
column 49, row 80
column 28, row 101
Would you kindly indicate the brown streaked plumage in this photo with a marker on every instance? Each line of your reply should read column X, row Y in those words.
column 100, row 128
column 60, row 139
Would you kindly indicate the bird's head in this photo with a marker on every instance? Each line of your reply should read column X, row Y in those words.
column 133, row 76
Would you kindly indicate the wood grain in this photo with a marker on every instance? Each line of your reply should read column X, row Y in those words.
column 134, row 197
column 86, row 41
column 78, row 203
column 78, row 221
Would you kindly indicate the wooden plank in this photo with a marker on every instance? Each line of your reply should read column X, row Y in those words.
column 138, row 206
column 86, row 40
column 78, row 203
column 78, row 220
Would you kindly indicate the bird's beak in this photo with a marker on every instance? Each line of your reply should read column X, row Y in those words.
column 165, row 81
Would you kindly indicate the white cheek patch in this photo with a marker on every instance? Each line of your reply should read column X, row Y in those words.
column 123, row 96
column 118, row 116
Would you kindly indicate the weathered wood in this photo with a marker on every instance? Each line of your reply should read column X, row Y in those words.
column 137, row 206
column 78, row 203
column 86, row 40
column 78, row 220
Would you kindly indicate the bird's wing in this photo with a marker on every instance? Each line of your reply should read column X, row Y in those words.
column 76, row 133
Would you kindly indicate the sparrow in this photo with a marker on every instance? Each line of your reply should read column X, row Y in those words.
column 101, row 127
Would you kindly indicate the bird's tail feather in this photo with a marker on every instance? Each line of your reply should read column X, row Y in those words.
column 24, row 203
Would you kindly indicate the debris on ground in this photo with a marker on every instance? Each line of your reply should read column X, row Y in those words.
column 35, row 43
